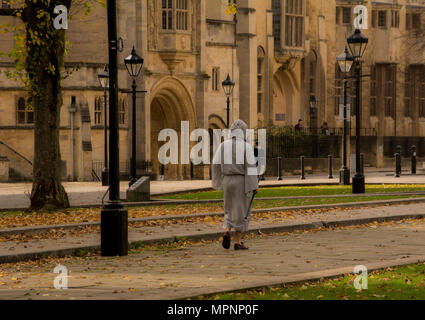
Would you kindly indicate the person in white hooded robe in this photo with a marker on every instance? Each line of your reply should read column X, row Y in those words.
column 234, row 172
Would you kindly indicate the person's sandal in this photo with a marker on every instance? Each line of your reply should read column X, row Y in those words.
column 240, row 246
column 226, row 240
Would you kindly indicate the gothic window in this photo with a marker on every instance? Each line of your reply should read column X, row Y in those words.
column 382, row 19
column 175, row 14
column 390, row 93
column 346, row 15
column 24, row 112
column 373, row 91
column 98, row 111
column 215, row 79
column 339, row 89
column 167, row 14
column 260, row 77
column 294, row 23
column 407, row 93
column 122, row 112
column 277, row 23
column 395, row 19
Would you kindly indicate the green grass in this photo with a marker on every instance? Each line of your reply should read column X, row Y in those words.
column 404, row 283
column 262, row 204
column 299, row 191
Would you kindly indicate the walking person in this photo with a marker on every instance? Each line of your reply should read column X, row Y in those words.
column 234, row 172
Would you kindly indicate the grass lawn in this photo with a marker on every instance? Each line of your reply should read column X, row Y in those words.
column 404, row 283
column 299, row 191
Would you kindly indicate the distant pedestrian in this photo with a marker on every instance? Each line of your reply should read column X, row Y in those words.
column 299, row 126
column 325, row 129
column 234, row 171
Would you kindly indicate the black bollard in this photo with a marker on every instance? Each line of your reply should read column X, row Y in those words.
column 330, row 167
column 192, row 175
column 302, row 168
column 413, row 159
column 397, row 165
column 279, row 171
column 162, row 170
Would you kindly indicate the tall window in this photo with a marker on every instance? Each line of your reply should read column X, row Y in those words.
column 215, row 79
column 346, row 15
column 167, row 14
column 373, row 91
column 383, row 86
column 382, row 19
column 98, row 113
column 175, row 10
column 24, row 113
column 413, row 21
column 312, row 77
column 408, row 112
column 390, row 93
column 277, row 23
column 260, row 77
column 339, row 89
column 181, row 14
column 395, row 19
column 122, row 112
column 294, row 23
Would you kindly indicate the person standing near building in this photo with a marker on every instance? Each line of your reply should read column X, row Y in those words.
column 234, row 172
column 299, row 126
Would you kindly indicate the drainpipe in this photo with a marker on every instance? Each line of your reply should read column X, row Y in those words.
column 72, row 110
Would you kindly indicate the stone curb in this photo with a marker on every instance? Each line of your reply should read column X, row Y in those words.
column 314, row 276
column 74, row 250
column 46, row 228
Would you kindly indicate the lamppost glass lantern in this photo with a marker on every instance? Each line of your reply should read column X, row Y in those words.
column 134, row 64
column 357, row 43
column 228, row 86
column 104, row 78
column 345, row 61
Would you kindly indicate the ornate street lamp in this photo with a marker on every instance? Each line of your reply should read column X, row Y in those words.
column 345, row 62
column 104, row 82
column 134, row 65
column 228, row 86
column 357, row 43
column 114, row 218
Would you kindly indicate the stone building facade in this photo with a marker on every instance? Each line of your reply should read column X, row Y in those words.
column 278, row 52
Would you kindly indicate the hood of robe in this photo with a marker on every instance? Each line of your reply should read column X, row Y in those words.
column 238, row 130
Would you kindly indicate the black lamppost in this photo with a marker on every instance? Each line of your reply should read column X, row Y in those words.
column 228, row 86
column 134, row 65
column 357, row 43
column 114, row 218
column 313, row 125
column 104, row 82
column 345, row 62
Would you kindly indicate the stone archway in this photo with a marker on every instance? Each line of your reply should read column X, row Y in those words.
column 285, row 111
column 170, row 105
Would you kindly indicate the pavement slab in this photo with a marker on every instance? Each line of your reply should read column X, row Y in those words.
column 204, row 268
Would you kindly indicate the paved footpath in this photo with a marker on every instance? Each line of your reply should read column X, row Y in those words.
column 198, row 228
column 17, row 195
column 207, row 268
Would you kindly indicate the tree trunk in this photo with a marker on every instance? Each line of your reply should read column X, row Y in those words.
column 47, row 190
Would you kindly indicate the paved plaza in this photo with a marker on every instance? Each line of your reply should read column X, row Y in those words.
column 207, row 268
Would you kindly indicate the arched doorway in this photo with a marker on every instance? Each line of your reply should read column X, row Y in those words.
column 285, row 108
column 170, row 105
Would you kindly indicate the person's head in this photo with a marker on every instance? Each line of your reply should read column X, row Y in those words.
column 239, row 129
column 300, row 122
column 325, row 124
